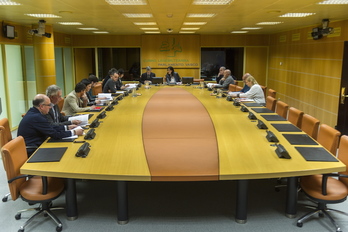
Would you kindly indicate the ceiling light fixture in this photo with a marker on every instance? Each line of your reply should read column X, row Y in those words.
column 251, row 28
column 268, row 23
column 129, row 15
column 200, row 15
column 70, row 23
column 152, row 32
column 212, row 2
column 126, row 2
column 333, row 2
column 145, row 23
column 186, row 32
column 149, row 28
column 296, row 15
column 101, row 32
column 194, row 23
column 239, row 32
column 43, row 15
column 9, row 3
column 189, row 28
column 88, row 28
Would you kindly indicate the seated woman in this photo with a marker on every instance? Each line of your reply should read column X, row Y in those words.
column 171, row 76
column 255, row 93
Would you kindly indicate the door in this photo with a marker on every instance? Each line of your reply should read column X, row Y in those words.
column 342, row 121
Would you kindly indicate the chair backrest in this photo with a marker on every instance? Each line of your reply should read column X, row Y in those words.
column 98, row 88
column 60, row 104
column 232, row 88
column 271, row 103
column 14, row 155
column 328, row 137
column 343, row 157
column 5, row 132
column 282, row 109
column 295, row 116
column 272, row 93
column 310, row 125
column 264, row 89
column 236, row 82
column 238, row 88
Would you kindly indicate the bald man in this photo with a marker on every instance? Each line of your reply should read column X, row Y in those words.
column 35, row 128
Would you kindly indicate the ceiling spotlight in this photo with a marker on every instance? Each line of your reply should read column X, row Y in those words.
column 169, row 30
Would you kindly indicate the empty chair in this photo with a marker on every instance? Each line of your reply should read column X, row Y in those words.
column 323, row 189
column 264, row 88
column 272, row 93
column 295, row 116
column 310, row 125
column 342, row 151
column 238, row 88
column 282, row 109
column 235, row 82
column 5, row 137
column 271, row 103
column 328, row 137
column 34, row 190
column 232, row 88
column 97, row 88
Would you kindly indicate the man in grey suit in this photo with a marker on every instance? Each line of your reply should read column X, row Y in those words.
column 226, row 80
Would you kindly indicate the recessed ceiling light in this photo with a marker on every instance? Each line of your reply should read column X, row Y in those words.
column 88, row 28
column 296, row 15
column 145, row 23
column 70, row 23
column 138, row 15
column 268, row 23
column 333, row 2
column 9, row 3
column 212, row 2
column 251, row 28
column 189, row 28
column 149, row 28
column 200, row 15
column 43, row 15
column 126, row 2
column 239, row 32
column 186, row 32
column 101, row 32
column 195, row 23
column 152, row 32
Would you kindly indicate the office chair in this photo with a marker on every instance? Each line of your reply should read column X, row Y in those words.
column 271, row 103
column 295, row 116
column 282, row 109
column 272, row 93
column 5, row 137
column 264, row 89
column 310, row 125
column 238, row 88
column 32, row 189
column 232, row 88
column 324, row 189
column 328, row 137
column 97, row 88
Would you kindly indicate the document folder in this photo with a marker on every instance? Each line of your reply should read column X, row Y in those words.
column 273, row 118
column 286, row 127
column 262, row 110
column 299, row 139
column 316, row 154
column 53, row 154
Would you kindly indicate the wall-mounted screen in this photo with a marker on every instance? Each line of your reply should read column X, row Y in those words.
column 9, row 31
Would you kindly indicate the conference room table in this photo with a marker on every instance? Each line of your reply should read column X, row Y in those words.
column 237, row 150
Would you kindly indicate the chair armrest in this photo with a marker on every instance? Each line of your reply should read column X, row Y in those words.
column 44, row 185
column 324, row 181
column 19, row 177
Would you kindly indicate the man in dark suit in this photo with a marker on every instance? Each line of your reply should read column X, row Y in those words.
column 147, row 76
column 54, row 115
column 35, row 128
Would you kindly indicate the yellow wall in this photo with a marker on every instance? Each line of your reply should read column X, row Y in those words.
column 306, row 73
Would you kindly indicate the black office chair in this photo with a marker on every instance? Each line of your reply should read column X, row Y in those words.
column 32, row 189
column 324, row 189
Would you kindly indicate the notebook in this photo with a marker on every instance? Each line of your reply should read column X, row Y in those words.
column 53, row 154
column 316, row 154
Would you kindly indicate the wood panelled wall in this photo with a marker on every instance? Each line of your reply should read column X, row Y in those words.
column 306, row 73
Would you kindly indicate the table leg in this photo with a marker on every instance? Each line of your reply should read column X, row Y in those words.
column 291, row 197
column 70, row 199
column 242, row 201
column 122, row 202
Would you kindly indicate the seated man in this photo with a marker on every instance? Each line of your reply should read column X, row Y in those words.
column 54, row 115
column 110, row 74
column 73, row 103
column 35, row 128
column 111, row 85
column 225, row 81
column 147, row 76
column 119, row 84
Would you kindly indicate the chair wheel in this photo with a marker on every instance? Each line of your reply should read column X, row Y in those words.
column 59, row 228
column 299, row 224
column 21, row 230
column 4, row 199
column 321, row 214
column 18, row 216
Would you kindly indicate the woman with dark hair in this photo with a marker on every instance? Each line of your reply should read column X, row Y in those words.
column 171, row 76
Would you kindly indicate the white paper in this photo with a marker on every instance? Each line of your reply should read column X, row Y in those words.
column 82, row 117
column 210, row 85
column 105, row 96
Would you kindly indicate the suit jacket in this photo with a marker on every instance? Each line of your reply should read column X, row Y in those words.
column 73, row 104
column 229, row 80
column 62, row 120
column 144, row 78
column 35, row 129
column 176, row 76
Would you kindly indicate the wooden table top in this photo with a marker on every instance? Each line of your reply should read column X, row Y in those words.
column 117, row 151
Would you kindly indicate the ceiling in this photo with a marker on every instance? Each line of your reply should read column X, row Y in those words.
column 238, row 14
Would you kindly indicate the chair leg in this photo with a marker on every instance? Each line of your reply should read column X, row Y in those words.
column 55, row 219
column 5, row 198
column 338, row 229
column 306, row 216
column 29, row 220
